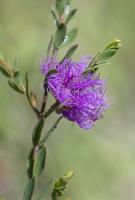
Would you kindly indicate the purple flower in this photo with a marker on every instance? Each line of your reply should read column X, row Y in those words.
column 82, row 97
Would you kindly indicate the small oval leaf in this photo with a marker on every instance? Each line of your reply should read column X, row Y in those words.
column 106, row 54
column 70, row 52
column 60, row 6
column 59, row 35
column 39, row 162
column 70, row 15
column 54, row 17
column 70, row 37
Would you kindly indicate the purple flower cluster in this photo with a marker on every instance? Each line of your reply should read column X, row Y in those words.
column 83, row 97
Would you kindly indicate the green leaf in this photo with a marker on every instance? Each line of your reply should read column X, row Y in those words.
column 109, row 51
column 45, row 191
column 39, row 162
column 37, row 132
column 70, row 37
column 60, row 6
column 55, row 18
column 29, row 190
column 106, row 54
column 16, row 87
column 70, row 15
column 70, row 52
column 59, row 35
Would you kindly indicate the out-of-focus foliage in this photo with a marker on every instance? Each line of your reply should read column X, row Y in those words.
column 103, row 159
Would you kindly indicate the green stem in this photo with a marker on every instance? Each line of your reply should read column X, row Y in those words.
column 41, row 115
column 44, row 97
column 48, row 134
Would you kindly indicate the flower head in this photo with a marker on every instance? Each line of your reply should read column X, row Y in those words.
column 82, row 97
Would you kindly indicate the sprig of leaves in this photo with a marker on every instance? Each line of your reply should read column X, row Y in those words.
column 103, row 56
column 14, row 76
column 62, row 36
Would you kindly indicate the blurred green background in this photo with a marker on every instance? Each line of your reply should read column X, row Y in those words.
column 104, row 158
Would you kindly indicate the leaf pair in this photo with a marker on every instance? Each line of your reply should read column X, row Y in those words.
column 15, row 81
column 37, row 155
